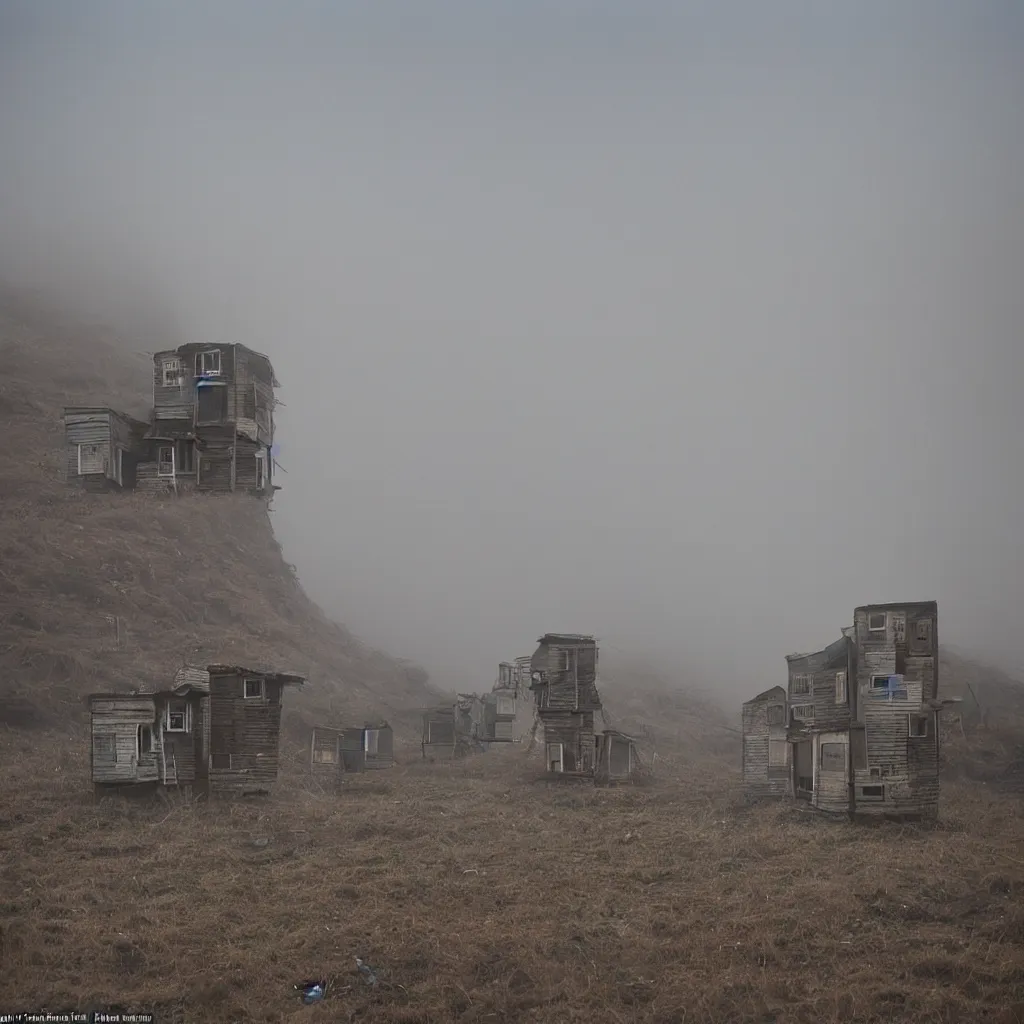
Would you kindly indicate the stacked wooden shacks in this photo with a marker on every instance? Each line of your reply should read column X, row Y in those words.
column 855, row 731
column 211, row 428
column 214, row 731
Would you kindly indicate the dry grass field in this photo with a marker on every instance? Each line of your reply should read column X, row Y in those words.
column 479, row 893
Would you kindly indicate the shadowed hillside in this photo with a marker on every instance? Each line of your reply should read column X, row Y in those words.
column 110, row 591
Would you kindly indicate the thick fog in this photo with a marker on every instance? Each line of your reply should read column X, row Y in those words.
column 691, row 326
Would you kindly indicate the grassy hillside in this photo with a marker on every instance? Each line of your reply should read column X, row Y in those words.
column 198, row 579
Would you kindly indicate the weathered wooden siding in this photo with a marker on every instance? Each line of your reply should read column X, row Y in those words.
column 325, row 762
column 176, row 401
column 244, row 735
column 575, row 731
column 378, row 747
column 569, row 671
column 92, row 428
column 763, row 777
column 115, row 721
column 439, row 739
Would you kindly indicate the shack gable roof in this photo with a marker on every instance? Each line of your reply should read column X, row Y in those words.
column 775, row 693
column 72, row 411
column 932, row 606
column 619, row 735
column 569, row 639
column 284, row 678
column 826, row 654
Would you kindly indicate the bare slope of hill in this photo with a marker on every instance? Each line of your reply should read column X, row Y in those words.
column 110, row 591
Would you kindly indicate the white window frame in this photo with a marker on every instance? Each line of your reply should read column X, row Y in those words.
column 805, row 681
column 564, row 661
column 910, row 726
column 505, row 706
column 201, row 370
column 842, row 693
column 171, row 372
column 877, row 629
column 98, row 445
column 160, row 462
column 366, row 741
column 186, row 712
column 253, row 696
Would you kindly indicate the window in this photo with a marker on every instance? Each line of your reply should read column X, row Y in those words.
column 144, row 740
column 104, row 747
column 554, row 757
column 841, row 688
column 179, row 717
column 923, row 629
column 165, row 461
column 876, row 622
column 261, row 472
column 325, row 755
column 918, row 726
column 563, row 661
column 506, row 705
column 778, row 753
column 90, row 459
column 803, row 712
column 859, row 749
column 833, row 757
column 172, row 373
column 799, row 685
column 776, row 714
column 252, row 689
column 370, row 738
column 440, row 732
column 220, row 760
column 208, row 363
column 872, row 792
column 880, row 682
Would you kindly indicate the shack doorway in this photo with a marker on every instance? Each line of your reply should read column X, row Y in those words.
column 803, row 769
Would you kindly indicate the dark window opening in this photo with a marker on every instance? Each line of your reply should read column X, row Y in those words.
column 145, row 740
column 876, row 622
column 918, row 726
column 213, row 404
column 776, row 714
column 185, row 456
column 873, row 792
column 220, row 760
column 208, row 362
column 253, row 689
column 165, row 461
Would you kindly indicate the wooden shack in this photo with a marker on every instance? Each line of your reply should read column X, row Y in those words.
column 448, row 729
column 213, row 421
column 245, row 727
column 765, row 745
column 563, row 672
column 863, row 712
column 102, row 448
column 147, row 740
column 616, row 756
column 334, row 752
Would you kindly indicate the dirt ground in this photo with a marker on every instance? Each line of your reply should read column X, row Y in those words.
column 478, row 893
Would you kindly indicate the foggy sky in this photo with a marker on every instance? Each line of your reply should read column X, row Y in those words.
column 692, row 326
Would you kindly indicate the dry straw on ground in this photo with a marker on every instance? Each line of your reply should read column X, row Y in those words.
column 479, row 894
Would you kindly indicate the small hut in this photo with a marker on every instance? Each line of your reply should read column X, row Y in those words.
column 616, row 756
